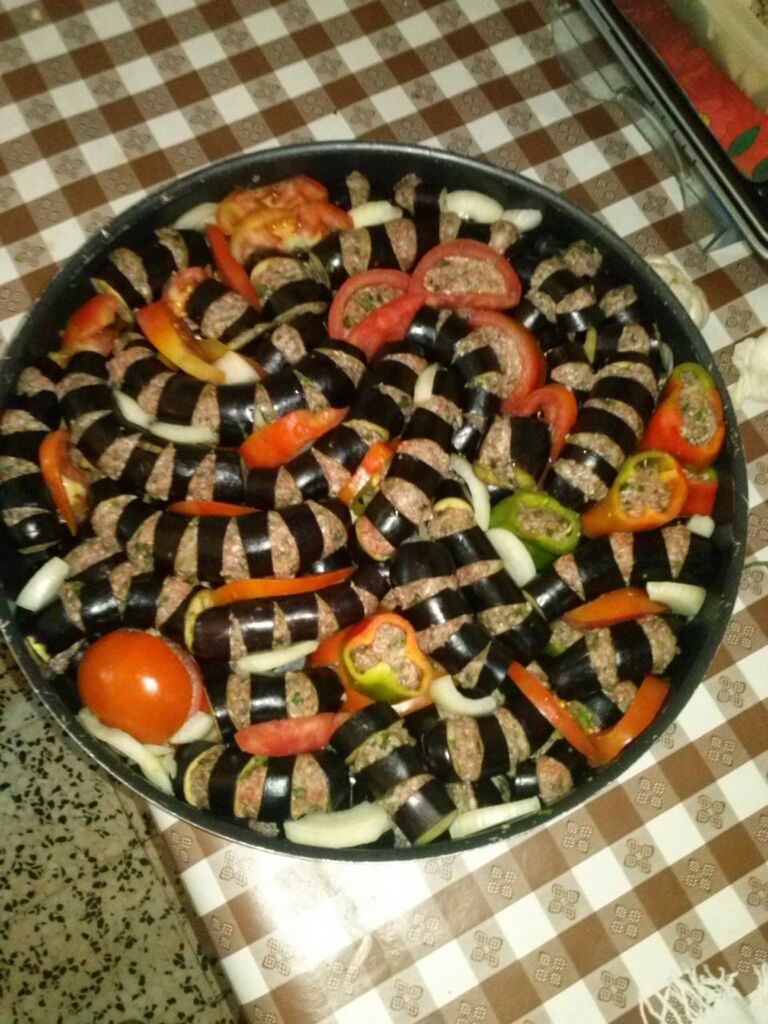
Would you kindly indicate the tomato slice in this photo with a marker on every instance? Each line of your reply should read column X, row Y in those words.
column 268, row 586
column 282, row 737
column 388, row 323
column 646, row 705
column 90, row 328
column 320, row 218
column 361, row 295
column 179, row 287
column 552, row 708
column 66, row 482
column 614, row 606
column 446, row 274
column 370, row 471
column 209, row 508
column 140, row 683
column 556, row 405
column 285, row 195
column 277, row 442
column 528, row 354
column 232, row 273
column 173, row 340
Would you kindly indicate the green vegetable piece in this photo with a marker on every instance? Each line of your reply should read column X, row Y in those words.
column 547, row 528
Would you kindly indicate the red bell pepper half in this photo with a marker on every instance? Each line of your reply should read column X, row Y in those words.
column 383, row 660
column 689, row 422
column 702, row 492
column 649, row 491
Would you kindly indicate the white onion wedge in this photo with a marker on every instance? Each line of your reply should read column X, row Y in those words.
column 182, row 433
column 478, row 492
column 265, row 661
column 704, row 526
column 524, row 220
column 236, row 369
column 339, row 830
column 197, row 217
column 470, row 205
column 130, row 410
column 378, row 211
column 681, row 598
column 196, row 727
column 452, row 701
column 149, row 763
column 425, row 384
column 469, row 822
column 41, row 588
column 516, row 557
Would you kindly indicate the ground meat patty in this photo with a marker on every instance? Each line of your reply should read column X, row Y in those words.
column 662, row 640
column 238, row 700
column 555, row 780
column 465, row 746
column 449, row 520
column 379, row 745
column 464, row 274
column 285, row 553
column 249, row 790
column 577, row 376
column 309, row 787
column 300, row 695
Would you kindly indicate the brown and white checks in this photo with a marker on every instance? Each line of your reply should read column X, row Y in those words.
column 578, row 920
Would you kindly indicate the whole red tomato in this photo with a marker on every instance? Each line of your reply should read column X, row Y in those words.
column 139, row 683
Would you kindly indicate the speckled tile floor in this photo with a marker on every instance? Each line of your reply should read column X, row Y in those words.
column 95, row 925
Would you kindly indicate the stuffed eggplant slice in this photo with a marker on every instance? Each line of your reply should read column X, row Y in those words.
column 215, row 548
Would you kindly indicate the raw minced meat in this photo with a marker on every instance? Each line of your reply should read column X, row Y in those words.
column 582, row 478
column 504, row 617
column 601, row 444
column 618, row 299
column 466, row 747
column 699, row 420
column 403, row 791
column 309, row 787
column 449, row 520
column 541, row 521
column 474, row 571
column 434, row 637
column 158, row 485
column 677, row 541
column 407, row 498
column 185, row 562
column 555, row 780
column 662, row 640
column 464, row 274
column 645, row 491
column 173, row 594
column 289, row 342
column 335, row 474
column 300, row 695
column 602, row 656
column 238, row 700
column 428, row 451
column 249, row 790
column 576, row 375
column 623, row 547
column 365, row 301
column 234, row 560
column 389, row 647
column 631, row 370
column 402, row 235
column 140, row 548
column 583, row 259
column 114, row 459
column 355, row 250
column 379, row 745
column 619, row 409
column 567, row 569
column 408, row 594
column 198, row 774
column 282, row 544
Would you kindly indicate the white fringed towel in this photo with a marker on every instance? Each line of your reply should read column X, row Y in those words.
column 707, row 998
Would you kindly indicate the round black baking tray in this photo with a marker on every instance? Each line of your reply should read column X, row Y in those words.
column 384, row 163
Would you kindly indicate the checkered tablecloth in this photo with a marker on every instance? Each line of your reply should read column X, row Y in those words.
column 666, row 869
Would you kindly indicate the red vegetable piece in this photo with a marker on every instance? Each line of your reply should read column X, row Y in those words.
column 527, row 353
column 459, row 264
column 277, row 442
column 90, row 328
column 66, row 482
column 646, row 705
column 340, row 320
column 232, row 273
column 282, row 737
column 388, row 323
column 556, row 405
column 614, row 606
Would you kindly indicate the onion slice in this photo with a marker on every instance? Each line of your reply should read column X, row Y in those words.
column 681, row 598
column 131, row 411
column 516, row 557
column 338, row 830
column 481, row 502
column 196, row 727
column 524, row 220
column 469, row 822
column 236, row 369
column 265, row 661
column 704, row 526
column 471, row 205
column 451, row 701
column 425, row 384
column 149, row 763
column 197, row 217
column 378, row 211
column 41, row 588
column 182, row 433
